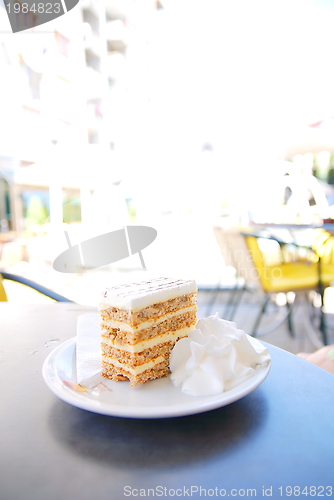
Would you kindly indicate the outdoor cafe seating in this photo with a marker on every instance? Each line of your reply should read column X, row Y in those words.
column 277, row 271
column 29, row 283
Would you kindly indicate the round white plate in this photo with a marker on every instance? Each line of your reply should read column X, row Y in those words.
column 156, row 399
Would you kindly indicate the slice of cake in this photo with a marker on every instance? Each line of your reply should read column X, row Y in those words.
column 140, row 325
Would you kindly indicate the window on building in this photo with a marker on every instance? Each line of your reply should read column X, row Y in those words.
column 25, row 20
column 92, row 60
column 4, row 57
column 25, row 163
column 62, row 44
column 93, row 137
column 34, row 79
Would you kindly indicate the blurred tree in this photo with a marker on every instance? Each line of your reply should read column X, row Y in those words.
column 36, row 212
column 330, row 176
column 315, row 167
column 330, row 172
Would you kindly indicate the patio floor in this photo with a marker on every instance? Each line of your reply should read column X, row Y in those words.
column 306, row 338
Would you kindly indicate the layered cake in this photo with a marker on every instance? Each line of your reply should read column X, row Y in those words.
column 140, row 325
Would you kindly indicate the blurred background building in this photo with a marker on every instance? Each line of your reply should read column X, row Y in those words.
column 173, row 114
column 62, row 109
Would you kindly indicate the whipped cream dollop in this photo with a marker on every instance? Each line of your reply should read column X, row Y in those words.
column 214, row 358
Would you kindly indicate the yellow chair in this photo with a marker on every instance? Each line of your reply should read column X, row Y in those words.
column 299, row 277
column 236, row 253
column 3, row 295
column 226, row 245
column 277, row 276
column 323, row 246
column 31, row 284
column 282, row 276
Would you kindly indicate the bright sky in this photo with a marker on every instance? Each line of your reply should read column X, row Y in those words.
column 241, row 74
column 237, row 73
column 240, row 64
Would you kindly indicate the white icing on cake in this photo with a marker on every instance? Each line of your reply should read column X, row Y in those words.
column 137, row 296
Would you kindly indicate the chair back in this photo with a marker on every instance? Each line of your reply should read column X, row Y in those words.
column 3, row 295
column 256, row 255
column 323, row 245
column 237, row 254
column 282, row 276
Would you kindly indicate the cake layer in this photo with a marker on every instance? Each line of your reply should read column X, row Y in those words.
column 172, row 324
column 135, row 370
column 139, row 358
column 125, row 327
column 120, row 374
column 140, row 295
column 147, row 344
column 154, row 311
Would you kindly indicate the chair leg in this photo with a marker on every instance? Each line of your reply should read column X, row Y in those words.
column 323, row 327
column 259, row 316
column 321, row 289
column 232, row 294
column 230, row 302
column 236, row 304
column 214, row 298
column 289, row 318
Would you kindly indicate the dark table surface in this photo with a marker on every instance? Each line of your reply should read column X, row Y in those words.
column 279, row 436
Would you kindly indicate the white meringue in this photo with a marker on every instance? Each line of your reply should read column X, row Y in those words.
column 214, row 358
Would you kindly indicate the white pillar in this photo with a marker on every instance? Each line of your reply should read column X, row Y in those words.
column 56, row 203
column 85, row 200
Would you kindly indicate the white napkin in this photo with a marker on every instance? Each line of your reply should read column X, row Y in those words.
column 88, row 350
